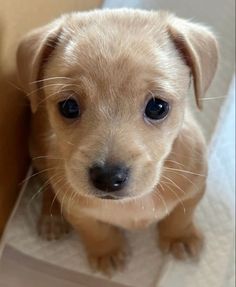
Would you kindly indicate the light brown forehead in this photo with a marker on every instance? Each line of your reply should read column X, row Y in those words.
column 102, row 56
column 120, row 57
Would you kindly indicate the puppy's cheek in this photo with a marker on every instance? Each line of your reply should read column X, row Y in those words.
column 77, row 178
column 145, row 179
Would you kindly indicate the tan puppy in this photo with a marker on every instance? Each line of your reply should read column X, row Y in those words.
column 112, row 134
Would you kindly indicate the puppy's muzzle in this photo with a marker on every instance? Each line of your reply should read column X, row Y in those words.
column 109, row 178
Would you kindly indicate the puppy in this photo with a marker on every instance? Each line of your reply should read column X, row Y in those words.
column 113, row 138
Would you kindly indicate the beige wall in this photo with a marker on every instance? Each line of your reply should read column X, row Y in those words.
column 16, row 18
column 19, row 16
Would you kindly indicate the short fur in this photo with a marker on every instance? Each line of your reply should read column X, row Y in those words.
column 112, row 62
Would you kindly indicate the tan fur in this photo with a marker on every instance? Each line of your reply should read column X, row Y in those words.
column 111, row 62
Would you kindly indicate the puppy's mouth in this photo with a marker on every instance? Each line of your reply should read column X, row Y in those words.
column 110, row 196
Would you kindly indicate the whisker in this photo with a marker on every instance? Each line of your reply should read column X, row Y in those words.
column 17, row 87
column 47, row 157
column 162, row 199
column 62, row 88
column 73, row 195
column 179, row 199
column 55, row 195
column 70, row 143
column 185, row 177
column 174, row 184
column 174, row 161
column 40, row 172
column 59, row 190
column 62, row 202
column 187, row 156
column 50, row 79
column 41, row 189
column 43, row 87
column 212, row 98
column 184, row 171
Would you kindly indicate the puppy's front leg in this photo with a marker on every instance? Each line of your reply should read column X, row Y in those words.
column 105, row 244
column 178, row 233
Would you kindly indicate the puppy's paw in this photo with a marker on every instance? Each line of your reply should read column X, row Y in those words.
column 183, row 247
column 108, row 256
column 109, row 262
column 52, row 227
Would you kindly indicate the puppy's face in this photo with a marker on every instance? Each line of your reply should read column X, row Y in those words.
column 114, row 90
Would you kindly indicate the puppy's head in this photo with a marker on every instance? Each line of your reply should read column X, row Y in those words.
column 113, row 85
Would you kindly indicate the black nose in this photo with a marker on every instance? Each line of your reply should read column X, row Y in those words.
column 109, row 178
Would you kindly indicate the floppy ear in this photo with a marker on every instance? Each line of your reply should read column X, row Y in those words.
column 198, row 47
column 33, row 53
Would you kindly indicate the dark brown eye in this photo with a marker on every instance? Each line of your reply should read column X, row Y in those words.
column 156, row 109
column 69, row 108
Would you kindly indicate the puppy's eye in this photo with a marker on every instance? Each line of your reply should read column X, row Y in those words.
column 69, row 108
column 156, row 109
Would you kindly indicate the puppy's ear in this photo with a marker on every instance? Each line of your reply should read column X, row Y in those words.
column 198, row 47
column 33, row 53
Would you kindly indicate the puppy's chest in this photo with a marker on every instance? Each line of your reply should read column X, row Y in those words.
column 128, row 219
